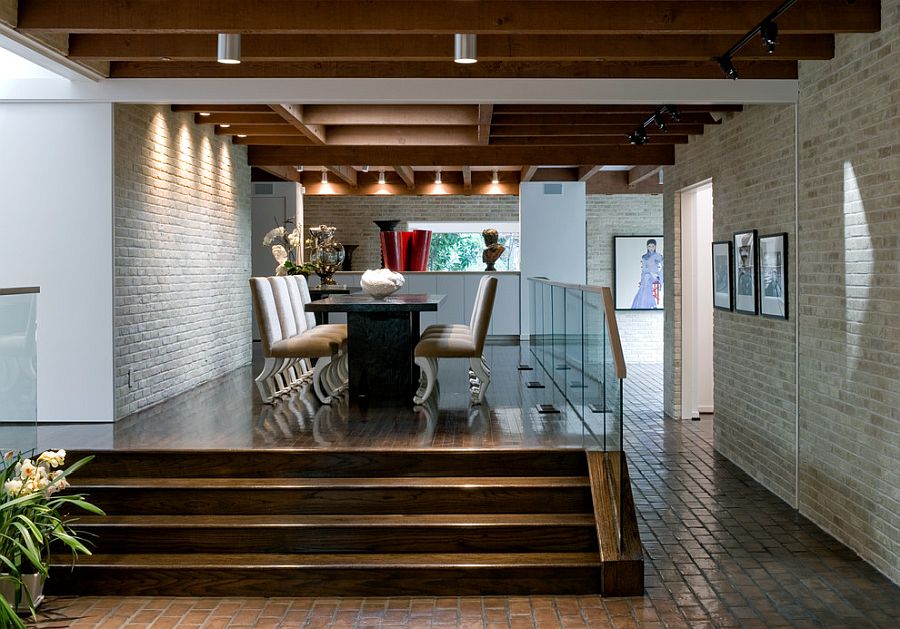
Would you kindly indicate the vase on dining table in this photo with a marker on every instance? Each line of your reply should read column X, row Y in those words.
column 327, row 253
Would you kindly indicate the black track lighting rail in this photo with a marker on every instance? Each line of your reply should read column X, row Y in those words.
column 639, row 135
column 767, row 29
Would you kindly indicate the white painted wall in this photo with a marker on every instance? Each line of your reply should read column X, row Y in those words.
column 697, row 307
column 554, row 238
column 56, row 233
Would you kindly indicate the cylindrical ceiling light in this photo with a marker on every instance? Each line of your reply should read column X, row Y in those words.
column 229, row 48
column 381, row 179
column 495, row 177
column 437, row 177
column 464, row 48
column 324, row 176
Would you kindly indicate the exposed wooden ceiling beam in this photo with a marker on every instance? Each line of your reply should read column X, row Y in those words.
column 504, row 120
column 273, row 140
column 574, row 140
column 287, row 173
column 587, row 172
column 471, row 155
column 645, row 110
column 347, row 174
column 412, row 16
column 407, row 174
column 528, row 173
column 584, row 130
column 485, row 115
column 294, row 115
column 442, row 69
column 402, row 135
column 258, row 130
column 245, row 118
column 640, row 173
column 400, row 115
column 9, row 12
column 270, row 48
column 467, row 177
column 224, row 109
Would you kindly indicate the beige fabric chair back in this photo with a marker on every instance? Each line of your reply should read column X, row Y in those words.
column 266, row 313
column 483, row 316
column 478, row 296
column 283, row 307
column 303, row 285
column 296, row 304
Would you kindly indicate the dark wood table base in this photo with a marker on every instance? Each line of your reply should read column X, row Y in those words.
column 377, row 343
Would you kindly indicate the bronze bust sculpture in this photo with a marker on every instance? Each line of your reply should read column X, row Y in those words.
column 493, row 249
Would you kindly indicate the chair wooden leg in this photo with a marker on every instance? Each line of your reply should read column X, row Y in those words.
column 427, row 365
column 484, row 378
column 266, row 390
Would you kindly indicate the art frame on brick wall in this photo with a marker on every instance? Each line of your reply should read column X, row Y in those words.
column 746, row 263
column 722, row 276
column 773, row 275
column 638, row 272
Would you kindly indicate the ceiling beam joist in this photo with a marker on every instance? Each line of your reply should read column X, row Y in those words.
column 250, row 119
column 617, row 130
column 471, row 155
column 223, row 109
column 284, row 172
column 528, row 173
column 347, row 174
column 409, row 16
column 388, row 135
column 641, row 173
column 272, row 48
column 400, row 115
column 587, row 172
column 638, row 110
column 485, row 116
column 467, row 177
column 259, row 130
column 294, row 115
column 573, row 140
column 407, row 174
column 509, row 120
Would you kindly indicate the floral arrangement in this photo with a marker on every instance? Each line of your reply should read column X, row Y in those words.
column 284, row 246
column 31, row 520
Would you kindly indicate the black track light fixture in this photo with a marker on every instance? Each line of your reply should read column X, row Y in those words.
column 638, row 137
column 767, row 29
column 661, row 122
column 673, row 112
column 727, row 67
column 769, row 34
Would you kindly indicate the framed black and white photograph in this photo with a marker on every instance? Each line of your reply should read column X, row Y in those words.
column 723, row 280
column 746, row 262
column 638, row 272
column 773, row 285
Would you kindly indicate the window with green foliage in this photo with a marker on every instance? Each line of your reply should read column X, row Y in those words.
column 458, row 246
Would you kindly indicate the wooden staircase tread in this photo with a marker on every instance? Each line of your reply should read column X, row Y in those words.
column 427, row 482
column 216, row 561
column 335, row 521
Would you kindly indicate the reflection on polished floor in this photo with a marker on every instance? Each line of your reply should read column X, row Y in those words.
column 228, row 413
column 720, row 550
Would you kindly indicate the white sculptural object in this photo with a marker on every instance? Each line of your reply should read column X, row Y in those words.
column 380, row 283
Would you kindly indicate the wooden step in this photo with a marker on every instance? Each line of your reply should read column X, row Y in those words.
column 442, row 574
column 362, row 463
column 373, row 496
column 454, row 533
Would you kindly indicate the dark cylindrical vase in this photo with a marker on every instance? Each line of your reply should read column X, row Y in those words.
column 347, row 265
column 392, row 250
column 417, row 254
column 386, row 225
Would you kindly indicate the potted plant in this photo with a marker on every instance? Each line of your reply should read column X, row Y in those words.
column 286, row 251
column 31, row 521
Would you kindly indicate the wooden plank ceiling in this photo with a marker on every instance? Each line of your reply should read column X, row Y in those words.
column 663, row 39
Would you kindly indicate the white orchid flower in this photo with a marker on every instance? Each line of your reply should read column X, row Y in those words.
column 279, row 253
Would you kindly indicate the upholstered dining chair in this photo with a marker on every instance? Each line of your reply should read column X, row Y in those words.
column 457, row 343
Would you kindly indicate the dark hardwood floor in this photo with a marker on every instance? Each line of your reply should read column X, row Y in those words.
column 228, row 413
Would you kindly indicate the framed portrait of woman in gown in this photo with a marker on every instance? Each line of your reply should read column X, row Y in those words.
column 638, row 272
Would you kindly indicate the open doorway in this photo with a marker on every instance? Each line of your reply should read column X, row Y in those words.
column 696, row 306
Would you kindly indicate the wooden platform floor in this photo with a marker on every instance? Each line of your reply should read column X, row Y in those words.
column 721, row 551
column 228, row 413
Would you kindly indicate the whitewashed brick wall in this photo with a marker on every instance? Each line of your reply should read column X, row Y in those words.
column 182, row 255
column 847, row 293
column 850, row 292
column 607, row 216
column 610, row 215
column 750, row 159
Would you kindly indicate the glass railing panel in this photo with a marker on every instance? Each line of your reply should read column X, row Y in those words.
column 18, row 369
column 594, row 395
column 574, row 356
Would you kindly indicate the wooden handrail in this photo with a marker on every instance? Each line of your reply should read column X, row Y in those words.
column 609, row 307
column 21, row 290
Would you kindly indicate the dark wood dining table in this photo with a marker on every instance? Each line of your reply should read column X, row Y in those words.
column 381, row 337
